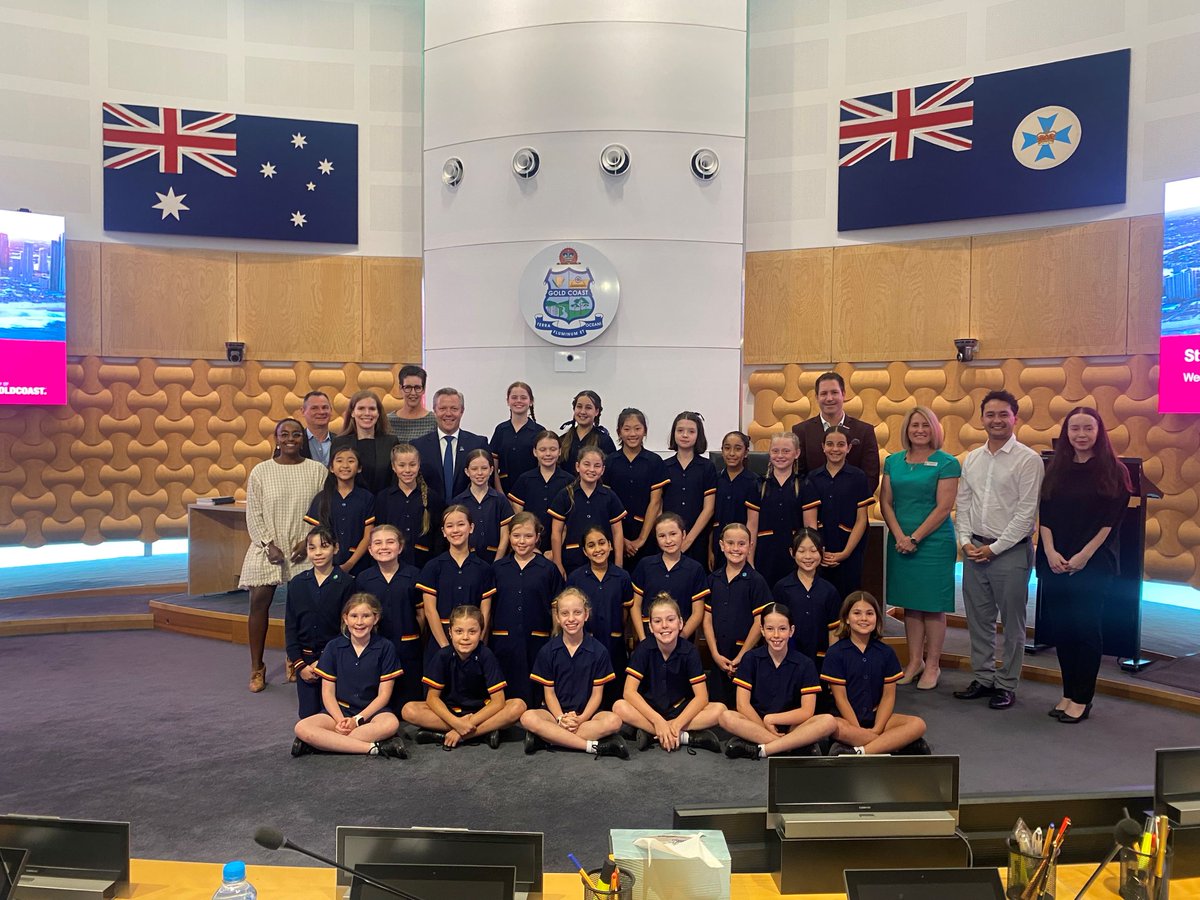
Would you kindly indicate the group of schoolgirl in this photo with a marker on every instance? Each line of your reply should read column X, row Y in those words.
column 490, row 604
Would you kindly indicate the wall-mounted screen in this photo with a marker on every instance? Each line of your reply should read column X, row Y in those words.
column 1179, row 346
column 33, row 308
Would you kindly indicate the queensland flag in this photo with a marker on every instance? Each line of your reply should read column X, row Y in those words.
column 183, row 171
column 1045, row 137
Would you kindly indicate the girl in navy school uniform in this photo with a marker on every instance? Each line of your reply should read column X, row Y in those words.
column 513, row 440
column 670, row 572
column 454, row 578
column 314, row 600
column 465, row 697
column 836, row 499
column 412, row 506
column 736, row 594
column 572, row 670
column 521, row 620
column 609, row 590
column 777, row 692
column 665, row 698
column 584, row 430
column 737, row 495
column 862, row 672
column 580, row 505
column 490, row 510
column 347, row 509
column 394, row 584
column 813, row 601
column 637, row 476
column 536, row 489
column 780, row 509
column 357, row 670
column 691, row 492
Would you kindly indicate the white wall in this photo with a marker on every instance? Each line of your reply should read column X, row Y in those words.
column 336, row 60
column 664, row 78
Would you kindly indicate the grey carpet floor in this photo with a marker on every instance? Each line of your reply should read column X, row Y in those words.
column 158, row 729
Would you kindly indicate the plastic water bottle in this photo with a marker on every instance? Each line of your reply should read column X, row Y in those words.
column 234, row 885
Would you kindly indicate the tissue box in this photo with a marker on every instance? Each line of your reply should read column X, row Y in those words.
column 665, row 875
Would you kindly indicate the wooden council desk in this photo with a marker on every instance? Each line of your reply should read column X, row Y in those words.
column 217, row 545
column 155, row 879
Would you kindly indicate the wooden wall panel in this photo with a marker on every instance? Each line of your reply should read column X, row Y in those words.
column 900, row 301
column 178, row 304
column 1145, row 284
column 300, row 307
column 83, row 298
column 788, row 313
column 392, row 310
column 1051, row 292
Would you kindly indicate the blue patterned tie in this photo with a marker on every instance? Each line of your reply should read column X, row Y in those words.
column 448, row 467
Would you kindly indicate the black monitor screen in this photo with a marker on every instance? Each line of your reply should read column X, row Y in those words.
column 436, row 882
column 812, row 784
column 443, row 847
column 12, row 861
column 1177, row 773
column 918, row 884
column 69, row 844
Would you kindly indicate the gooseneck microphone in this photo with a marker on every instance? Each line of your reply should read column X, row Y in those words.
column 1126, row 834
column 273, row 839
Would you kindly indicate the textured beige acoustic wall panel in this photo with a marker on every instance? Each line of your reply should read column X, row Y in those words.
column 83, row 297
column 789, row 306
column 392, row 313
column 1145, row 284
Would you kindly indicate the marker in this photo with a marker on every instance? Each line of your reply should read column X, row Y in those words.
column 587, row 879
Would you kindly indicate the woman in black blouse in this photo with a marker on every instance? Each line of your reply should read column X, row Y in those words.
column 1084, row 496
column 365, row 429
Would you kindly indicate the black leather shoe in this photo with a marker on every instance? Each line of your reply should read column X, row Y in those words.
column 919, row 747
column 612, row 745
column 1055, row 713
column 975, row 690
column 704, row 740
column 425, row 736
column 533, row 743
column 628, row 732
column 737, row 748
column 645, row 740
column 1002, row 699
column 299, row 748
column 1075, row 720
column 493, row 739
column 392, row 748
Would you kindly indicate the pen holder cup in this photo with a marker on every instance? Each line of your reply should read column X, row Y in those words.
column 623, row 892
column 1024, row 868
column 1141, row 878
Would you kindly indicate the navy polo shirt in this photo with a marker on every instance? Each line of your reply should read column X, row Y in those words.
column 358, row 676
column 313, row 615
column 465, row 684
column 572, row 677
column 521, row 607
column 685, row 492
column 349, row 517
column 780, row 508
column 453, row 585
column 837, row 500
column 734, row 497
column 598, row 437
column 489, row 515
column 733, row 604
column 863, row 674
column 633, row 481
column 512, row 450
column 399, row 599
column 580, row 513
column 685, row 582
column 535, row 494
column 609, row 597
column 406, row 512
column 815, row 613
column 776, row 689
column 666, row 684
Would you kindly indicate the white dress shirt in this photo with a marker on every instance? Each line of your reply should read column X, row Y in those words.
column 998, row 494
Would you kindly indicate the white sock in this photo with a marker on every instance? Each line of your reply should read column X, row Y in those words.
column 861, row 751
column 683, row 739
column 591, row 746
column 374, row 751
column 762, row 750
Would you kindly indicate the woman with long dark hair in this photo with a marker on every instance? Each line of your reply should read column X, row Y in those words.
column 366, row 430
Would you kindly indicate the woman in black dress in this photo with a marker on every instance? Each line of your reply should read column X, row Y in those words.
column 365, row 429
column 1084, row 496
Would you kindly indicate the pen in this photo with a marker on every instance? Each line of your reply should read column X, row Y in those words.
column 587, row 879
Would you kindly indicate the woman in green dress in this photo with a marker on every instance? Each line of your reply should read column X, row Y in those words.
column 916, row 496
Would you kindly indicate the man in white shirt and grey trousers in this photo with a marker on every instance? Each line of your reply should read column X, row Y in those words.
column 996, row 512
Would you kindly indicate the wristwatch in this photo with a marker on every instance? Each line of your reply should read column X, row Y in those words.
column 360, row 720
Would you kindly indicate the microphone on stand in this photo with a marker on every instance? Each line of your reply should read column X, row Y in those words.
column 273, row 839
column 1126, row 834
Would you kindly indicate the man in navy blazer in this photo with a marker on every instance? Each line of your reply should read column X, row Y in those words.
column 448, row 406
column 864, row 447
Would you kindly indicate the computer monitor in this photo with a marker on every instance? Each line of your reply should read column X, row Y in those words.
column 436, row 882
column 1177, row 784
column 927, row 884
column 12, row 863
column 854, row 784
column 69, row 847
column 358, row 845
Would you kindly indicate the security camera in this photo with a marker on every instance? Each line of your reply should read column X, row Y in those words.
column 235, row 351
column 452, row 171
column 705, row 163
column 614, row 159
column 525, row 162
column 966, row 348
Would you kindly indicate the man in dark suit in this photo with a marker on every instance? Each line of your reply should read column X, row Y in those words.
column 448, row 406
column 864, row 448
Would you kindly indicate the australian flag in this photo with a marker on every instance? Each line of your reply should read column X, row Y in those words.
column 184, row 171
column 1045, row 137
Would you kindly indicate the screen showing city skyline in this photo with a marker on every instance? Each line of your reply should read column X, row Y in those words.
column 33, row 308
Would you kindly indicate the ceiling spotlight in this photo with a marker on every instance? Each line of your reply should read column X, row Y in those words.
column 705, row 163
column 525, row 162
column 452, row 171
column 614, row 159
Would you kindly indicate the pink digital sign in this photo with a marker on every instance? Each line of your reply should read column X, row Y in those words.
column 33, row 308
column 1179, row 346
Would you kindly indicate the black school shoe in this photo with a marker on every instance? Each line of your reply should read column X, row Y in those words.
column 299, row 748
column 975, row 690
column 392, row 748
column 493, row 739
column 628, row 732
column 612, row 745
column 645, row 740
column 533, row 743
column 737, row 748
column 704, row 740
column 425, row 736
column 838, row 749
column 919, row 747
